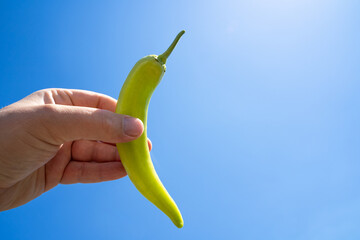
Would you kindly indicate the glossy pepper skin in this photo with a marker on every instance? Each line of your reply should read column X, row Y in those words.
column 134, row 100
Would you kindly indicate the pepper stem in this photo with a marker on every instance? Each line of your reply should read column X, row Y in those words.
column 163, row 57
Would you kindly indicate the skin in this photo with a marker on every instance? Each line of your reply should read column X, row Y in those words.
column 134, row 100
column 58, row 136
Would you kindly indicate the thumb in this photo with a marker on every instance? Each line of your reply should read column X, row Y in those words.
column 61, row 123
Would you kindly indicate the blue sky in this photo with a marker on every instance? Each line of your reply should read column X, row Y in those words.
column 255, row 125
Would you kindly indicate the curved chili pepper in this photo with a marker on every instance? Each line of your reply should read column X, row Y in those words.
column 134, row 101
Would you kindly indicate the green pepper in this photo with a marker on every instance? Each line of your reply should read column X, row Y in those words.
column 134, row 101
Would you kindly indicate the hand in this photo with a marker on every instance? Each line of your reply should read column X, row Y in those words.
column 60, row 136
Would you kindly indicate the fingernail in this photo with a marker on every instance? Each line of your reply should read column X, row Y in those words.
column 133, row 127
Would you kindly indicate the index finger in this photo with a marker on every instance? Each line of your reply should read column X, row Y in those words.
column 81, row 98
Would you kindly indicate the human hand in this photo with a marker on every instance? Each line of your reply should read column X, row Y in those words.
column 60, row 136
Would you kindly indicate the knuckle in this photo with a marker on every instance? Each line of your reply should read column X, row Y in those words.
column 47, row 92
column 48, row 109
column 45, row 118
column 45, row 114
column 111, row 126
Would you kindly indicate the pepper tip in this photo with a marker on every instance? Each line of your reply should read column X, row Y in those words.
column 180, row 224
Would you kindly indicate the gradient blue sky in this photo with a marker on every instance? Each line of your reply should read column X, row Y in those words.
column 255, row 126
